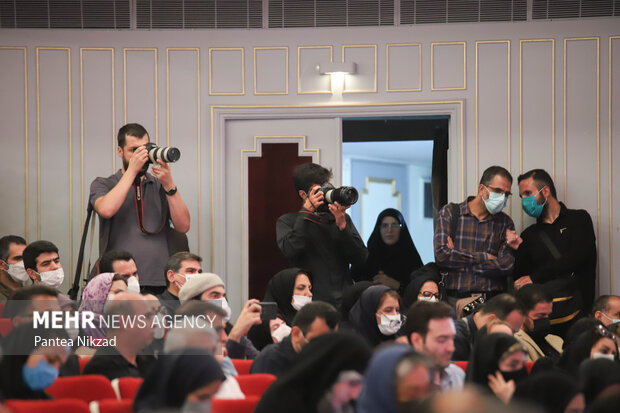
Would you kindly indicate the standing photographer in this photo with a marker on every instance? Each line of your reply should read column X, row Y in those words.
column 133, row 215
column 321, row 237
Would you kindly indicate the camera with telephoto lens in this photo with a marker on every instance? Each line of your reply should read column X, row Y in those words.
column 164, row 153
column 345, row 196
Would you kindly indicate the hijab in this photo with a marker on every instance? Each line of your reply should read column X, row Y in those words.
column 429, row 272
column 597, row 374
column 363, row 315
column 313, row 372
column 94, row 298
column 17, row 347
column 396, row 261
column 174, row 376
column 379, row 389
column 486, row 356
column 552, row 390
column 579, row 349
column 350, row 295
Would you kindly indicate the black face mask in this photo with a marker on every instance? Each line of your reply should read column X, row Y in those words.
column 516, row 375
column 410, row 406
column 542, row 327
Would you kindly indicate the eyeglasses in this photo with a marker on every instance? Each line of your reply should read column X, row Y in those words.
column 393, row 226
column 429, row 294
column 500, row 191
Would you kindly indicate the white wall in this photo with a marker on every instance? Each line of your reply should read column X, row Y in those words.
column 532, row 94
column 421, row 228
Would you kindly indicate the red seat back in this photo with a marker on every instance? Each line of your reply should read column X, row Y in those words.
column 116, row 406
column 461, row 364
column 2, row 305
column 5, row 326
column 83, row 360
column 254, row 384
column 528, row 366
column 47, row 406
column 86, row 387
column 246, row 405
column 242, row 366
column 128, row 386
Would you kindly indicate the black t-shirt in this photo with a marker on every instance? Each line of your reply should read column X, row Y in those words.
column 108, row 362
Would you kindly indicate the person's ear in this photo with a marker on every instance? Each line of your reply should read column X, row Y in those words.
column 4, row 266
column 597, row 315
column 32, row 274
column 302, row 194
column 119, row 150
column 170, row 275
column 481, row 190
column 546, row 192
column 416, row 341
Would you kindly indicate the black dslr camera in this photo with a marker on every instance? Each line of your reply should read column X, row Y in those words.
column 345, row 196
column 164, row 153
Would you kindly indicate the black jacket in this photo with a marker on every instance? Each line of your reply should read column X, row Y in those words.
column 275, row 358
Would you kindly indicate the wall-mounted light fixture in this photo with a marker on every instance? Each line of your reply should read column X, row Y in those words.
column 344, row 68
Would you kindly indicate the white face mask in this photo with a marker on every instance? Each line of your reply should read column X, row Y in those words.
column 299, row 301
column 603, row 356
column 133, row 285
column 18, row 272
column 73, row 332
column 390, row 324
column 222, row 302
column 432, row 298
column 159, row 331
column 280, row 333
column 613, row 320
column 52, row 279
column 196, row 407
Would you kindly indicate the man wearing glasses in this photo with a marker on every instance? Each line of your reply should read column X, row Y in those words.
column 472, row 240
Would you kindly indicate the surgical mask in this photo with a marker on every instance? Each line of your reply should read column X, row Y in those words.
column 299, row 301
column 223, row 303
column 196, row 407
column 73, row 332
column 432, row 298
column 390, row 324
column 39, row 377
column 495, row 203
column 133, row 285
column 603, row 356
column 542, row 327
column 613, row 320
column 531, row 207
column 159, row 331
column 280, row 333
column 52, row 279
column 18, row 272
column 228, row 367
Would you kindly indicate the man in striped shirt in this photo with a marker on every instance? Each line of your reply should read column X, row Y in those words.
column 472, row 239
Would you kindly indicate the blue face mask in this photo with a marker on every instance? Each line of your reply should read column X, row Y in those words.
column 39, row 377
column 531, row 206
column 495, row 203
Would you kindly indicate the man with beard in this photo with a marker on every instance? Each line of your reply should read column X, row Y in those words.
column 126, row 226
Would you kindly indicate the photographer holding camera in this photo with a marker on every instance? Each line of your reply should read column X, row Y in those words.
column 135, row 206
column 321, row 237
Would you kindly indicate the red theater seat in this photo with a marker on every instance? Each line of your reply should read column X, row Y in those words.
column 528, row 366
column 246, row 405
column 5, row 326
column 83, row 360
column 461, row 364
column 47, row 406
column 2, row 305
column 254, row 384
column 242, row 366
column 87, row 387
column 112, row 406
column 128, row 386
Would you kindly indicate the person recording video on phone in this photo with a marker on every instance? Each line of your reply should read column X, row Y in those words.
column 321, row 237
column 134, row 206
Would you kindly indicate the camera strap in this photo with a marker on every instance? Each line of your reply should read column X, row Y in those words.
column 137, row 187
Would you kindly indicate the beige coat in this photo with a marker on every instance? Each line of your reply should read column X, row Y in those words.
column 533, row 351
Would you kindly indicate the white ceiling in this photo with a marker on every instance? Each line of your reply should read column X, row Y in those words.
column 410, row 152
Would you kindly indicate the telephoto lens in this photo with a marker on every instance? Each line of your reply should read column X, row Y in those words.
column 164, row 153
column 345, row 195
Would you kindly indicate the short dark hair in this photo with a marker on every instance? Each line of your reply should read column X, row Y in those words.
column 602, row 303
column 308, row 174
column 131, row 129
column 492, row 171
column 5, row 243
column 195, row 308
column 174, row 262
column 541, row 179
column 106, row 263
column 421, row 313
column 316, row 309
column 502, row 305
column 118, row 277
column 34, row 249
column 20, row 301
column 532, row 294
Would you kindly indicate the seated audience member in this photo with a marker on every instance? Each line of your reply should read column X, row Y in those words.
column 122, row 263
column 210, row 288
column 313, row 320
column 534, row 335
column 186, row 380
column 124, row 359
column 96, row 294
column 27, row 369
column 24, row 301
column 597, row 376
column 12, row 271
column 290, row 289
column 501, row 307
column 423, row 287
column 42, row 264
column 553, row 391
column 396, row 378
column 596, row 342
column 179, row 268
column 497, row 326
column 309, row 382
column 469, row 400
column 606, row 309
column 578, row 327
column 430, row 330
column 607, row 402
column 376, row 315
column 350, row 295
column 392, row 255
column 497, row 364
